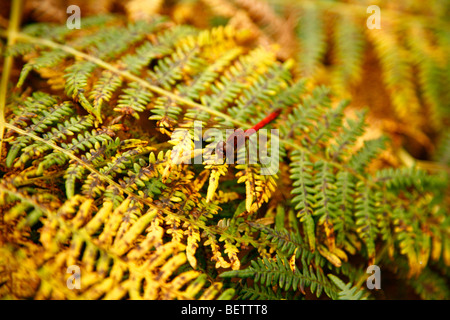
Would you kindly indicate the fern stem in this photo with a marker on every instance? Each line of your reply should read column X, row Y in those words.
column 11, row 34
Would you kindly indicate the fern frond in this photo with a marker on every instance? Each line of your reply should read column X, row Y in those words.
column 348, row 292
column 344, row 221
column 311, row 39
column 47, row 59
column 217, row 255
column 265, row 86
column 58, row 134
column 31, row 108
column 238, row 77
column 133, row 100
column 278, row 273
column 258, row 187
column 103, row 89
column 365, row 218
column 216, row 172
column 430, row 62
column 348, row 45
column 352, row 131
column 46, row 118
column 359, row 160
column 397, row 72
column 304, row 194
column 325, row 195
column 94, row 156
column 76, row 81
column 171, row 69
column 290, row 244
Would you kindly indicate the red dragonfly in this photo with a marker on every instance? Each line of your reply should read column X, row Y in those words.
column 238, row 138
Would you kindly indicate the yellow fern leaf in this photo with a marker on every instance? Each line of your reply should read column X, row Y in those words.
column 193, row 237
column 211, row 292
column 436, row 247
column 125, row 243
column 171, row 266
column 153, row 240
column 216, row 172
column 177, row 283
column 292, row 264
column 113, row 223
column 217, row 255
column 258, row 188
column 97, row 221
column 327, row 254
column 232, row 252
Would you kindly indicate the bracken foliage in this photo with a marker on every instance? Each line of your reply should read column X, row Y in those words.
column 98, row 172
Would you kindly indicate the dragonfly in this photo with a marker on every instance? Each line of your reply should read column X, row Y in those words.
column 239, row 136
